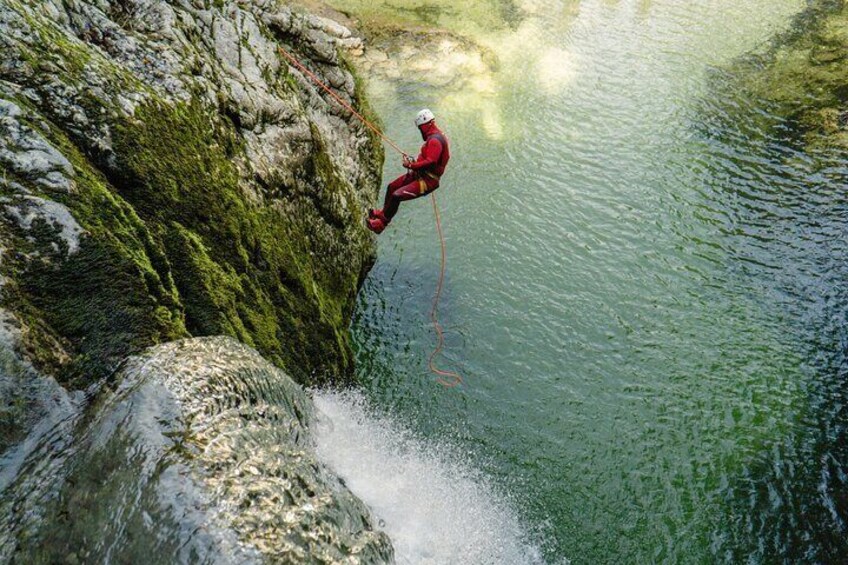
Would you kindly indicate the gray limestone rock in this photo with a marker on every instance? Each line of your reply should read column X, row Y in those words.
column 25, row 152
column 202, row 448
column 88, row 92
column 165, row 173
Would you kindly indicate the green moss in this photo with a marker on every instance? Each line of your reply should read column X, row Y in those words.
column 179, row 239
column 804, row 75
column 376, row 153
column 174, row 165
column 241, row 266
column 57, row 47
column 101, row 301
column 111, row 298
column 174, row 247
column 211, row 292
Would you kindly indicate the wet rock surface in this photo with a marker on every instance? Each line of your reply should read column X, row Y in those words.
column 201, row 452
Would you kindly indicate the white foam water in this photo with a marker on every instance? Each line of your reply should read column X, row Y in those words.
column 431, row 503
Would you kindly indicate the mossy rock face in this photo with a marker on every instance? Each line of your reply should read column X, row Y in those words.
column 804, row 75
column 163, row 174
column 83, row 277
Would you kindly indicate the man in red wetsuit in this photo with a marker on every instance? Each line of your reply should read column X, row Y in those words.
column 423, row 173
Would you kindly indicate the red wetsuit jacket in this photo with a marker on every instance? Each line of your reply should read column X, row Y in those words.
column 424, row 172
column 434, row 156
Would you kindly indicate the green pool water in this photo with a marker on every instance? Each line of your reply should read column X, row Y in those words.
column 643, row 287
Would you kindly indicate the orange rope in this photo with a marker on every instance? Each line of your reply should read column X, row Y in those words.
column 455, row 378
column 338, row 99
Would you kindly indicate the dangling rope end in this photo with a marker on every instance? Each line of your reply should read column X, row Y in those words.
column 455, row 379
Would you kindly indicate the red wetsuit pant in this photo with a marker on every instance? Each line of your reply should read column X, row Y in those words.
column 407, row 187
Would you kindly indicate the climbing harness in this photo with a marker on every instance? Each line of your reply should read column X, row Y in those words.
column 445, row 378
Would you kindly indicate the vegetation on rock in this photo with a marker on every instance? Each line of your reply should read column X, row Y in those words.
column 208, row 189
column 804, row 75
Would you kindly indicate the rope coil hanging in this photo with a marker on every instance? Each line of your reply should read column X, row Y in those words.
column 447, row 379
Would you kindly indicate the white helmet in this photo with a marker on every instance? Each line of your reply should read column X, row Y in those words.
column 425, row 116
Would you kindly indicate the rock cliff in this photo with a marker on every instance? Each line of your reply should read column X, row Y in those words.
column 164, row 174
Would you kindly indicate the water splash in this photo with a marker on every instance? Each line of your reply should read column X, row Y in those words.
column 198, row 452
column 433, row 505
